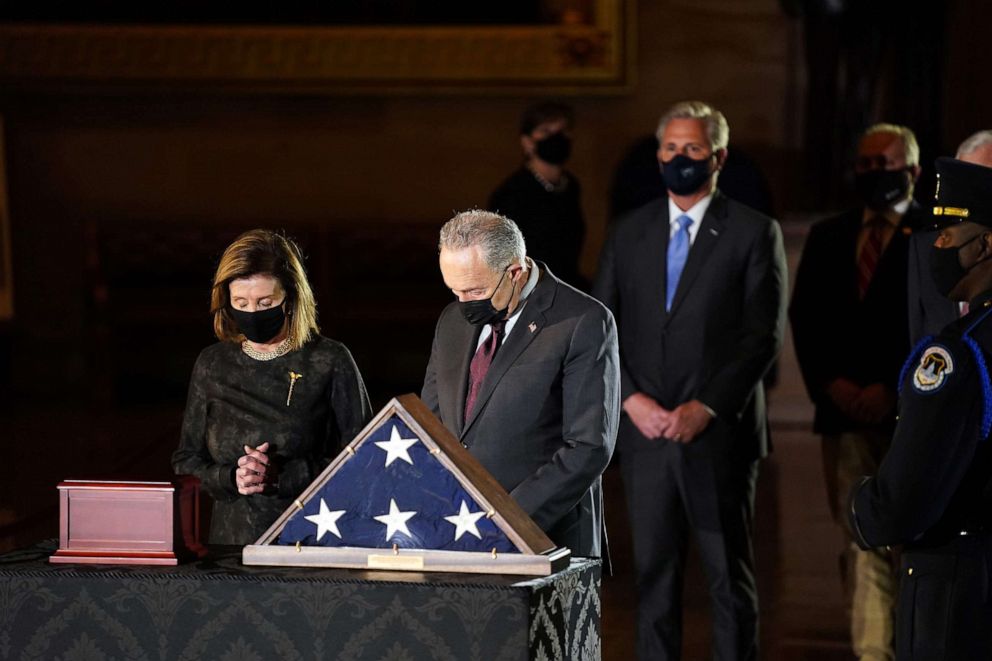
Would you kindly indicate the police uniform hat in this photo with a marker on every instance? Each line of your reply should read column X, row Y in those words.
column 964, row 192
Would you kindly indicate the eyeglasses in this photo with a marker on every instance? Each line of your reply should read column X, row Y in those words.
column 877, row 162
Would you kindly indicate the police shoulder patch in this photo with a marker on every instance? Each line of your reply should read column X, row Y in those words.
column 935, row 366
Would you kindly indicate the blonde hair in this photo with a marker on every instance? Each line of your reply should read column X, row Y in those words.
column 263, row 252
column 717, row 129
column 904, row 133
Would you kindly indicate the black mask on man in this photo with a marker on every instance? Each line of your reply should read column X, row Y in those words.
column 259, row 326
column 946, row 268
column 880, row 189
column 482, row 312
column 684, row 175
column 554, row 149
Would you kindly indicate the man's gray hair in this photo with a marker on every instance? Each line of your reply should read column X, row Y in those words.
column 497, row 236
column 717, row 129
column 904, row 133
column 974, row 142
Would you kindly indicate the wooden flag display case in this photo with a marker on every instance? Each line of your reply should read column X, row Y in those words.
column 524, row 549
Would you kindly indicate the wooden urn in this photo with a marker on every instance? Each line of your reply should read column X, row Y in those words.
column 129, row 523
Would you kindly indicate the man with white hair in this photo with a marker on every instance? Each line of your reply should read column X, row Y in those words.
column 697, row 282
column 929, row 312
column 524, row 372
column 849, row 323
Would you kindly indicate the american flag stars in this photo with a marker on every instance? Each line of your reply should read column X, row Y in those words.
column 396, row 447
column 326, row 521
column 395, row 489
column 396, row 520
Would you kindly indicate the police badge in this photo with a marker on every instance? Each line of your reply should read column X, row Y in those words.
column 935, row 365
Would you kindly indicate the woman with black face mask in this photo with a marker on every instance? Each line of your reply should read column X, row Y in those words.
column 542, row 197
column 272, row 402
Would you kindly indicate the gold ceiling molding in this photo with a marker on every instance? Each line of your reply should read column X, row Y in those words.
column 587, row 57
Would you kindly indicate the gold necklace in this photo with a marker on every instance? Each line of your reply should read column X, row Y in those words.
column 281, row 349
column 547, row 185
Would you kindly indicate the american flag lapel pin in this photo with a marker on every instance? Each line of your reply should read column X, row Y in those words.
column 532, row 326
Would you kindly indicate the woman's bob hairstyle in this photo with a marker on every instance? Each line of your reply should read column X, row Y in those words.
column 263, row 252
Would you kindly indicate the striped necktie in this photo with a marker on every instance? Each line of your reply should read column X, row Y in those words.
column 871, row 251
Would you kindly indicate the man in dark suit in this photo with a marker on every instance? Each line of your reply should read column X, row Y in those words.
column 697, row 282
column 933, row 492
column 849, row 324
column 929, row 312
column 524, row 371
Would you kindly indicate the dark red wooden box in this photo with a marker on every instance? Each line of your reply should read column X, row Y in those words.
column 129, row 523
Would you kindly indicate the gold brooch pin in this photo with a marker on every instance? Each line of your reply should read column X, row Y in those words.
column 293, row 377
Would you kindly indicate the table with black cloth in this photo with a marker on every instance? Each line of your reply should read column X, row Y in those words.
column 217, row 608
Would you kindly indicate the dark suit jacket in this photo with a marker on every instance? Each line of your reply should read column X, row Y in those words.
column 929, row 311
column 725, row 327
column 545, row 421
column 838, row 335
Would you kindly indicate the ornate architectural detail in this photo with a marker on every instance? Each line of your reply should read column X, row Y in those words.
column 324, row 59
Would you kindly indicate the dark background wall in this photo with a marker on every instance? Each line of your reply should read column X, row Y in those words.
column 120, row 202
column 86, row 168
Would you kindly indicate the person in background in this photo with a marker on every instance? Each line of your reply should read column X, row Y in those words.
column 542, row 197
column 637, row 180
column 929, row 312
column 933, row 492
column 849, row 324
column 697, row 282
column 272, row 402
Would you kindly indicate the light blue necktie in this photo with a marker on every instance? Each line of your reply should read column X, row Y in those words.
column 678, row 250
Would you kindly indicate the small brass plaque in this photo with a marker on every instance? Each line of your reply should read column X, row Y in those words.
column 396, row 562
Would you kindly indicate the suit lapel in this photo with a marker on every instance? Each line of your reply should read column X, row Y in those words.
column 652, row 257
column 528, row 325
column 915, row 219
column 847, row 244
column 706, row 239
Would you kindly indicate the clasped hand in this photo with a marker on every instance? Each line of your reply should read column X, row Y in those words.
column 255, row 471
column 868, row 405
column 682, row 424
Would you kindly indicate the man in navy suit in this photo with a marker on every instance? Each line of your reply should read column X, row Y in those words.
column 697, row 283
column 849, row 322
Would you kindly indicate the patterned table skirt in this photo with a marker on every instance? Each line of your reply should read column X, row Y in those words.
column 217, row 608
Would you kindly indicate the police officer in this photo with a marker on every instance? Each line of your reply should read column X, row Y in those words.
column 933, row 491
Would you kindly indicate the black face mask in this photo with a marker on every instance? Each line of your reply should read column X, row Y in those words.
column 482, row 312
column 554, row 149
column 259, row 326
column 684, row 175
column 880, row 189
column 945, row 266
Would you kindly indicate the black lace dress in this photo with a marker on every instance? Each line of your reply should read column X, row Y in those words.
column 235, row 400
